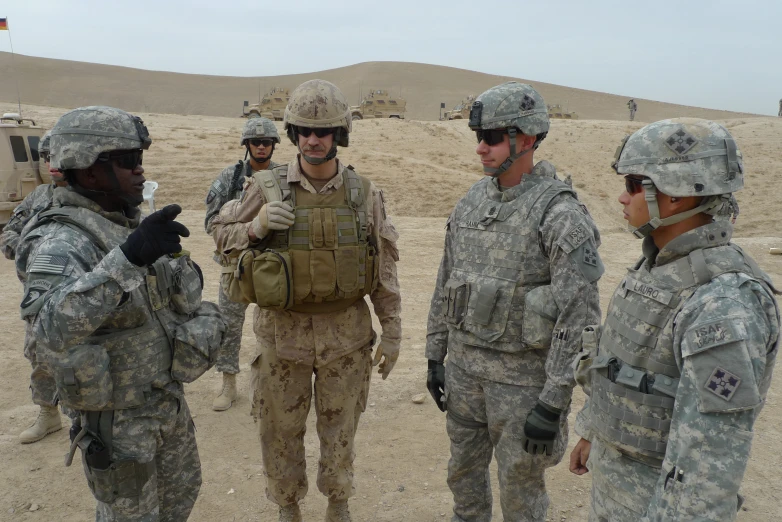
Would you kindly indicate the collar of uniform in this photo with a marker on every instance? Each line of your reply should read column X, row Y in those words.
column 296, row 176
column 714, row 234
column 542, row 169
column 67, row 197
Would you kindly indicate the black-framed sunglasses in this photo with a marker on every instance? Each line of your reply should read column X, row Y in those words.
column 126, row 159
column 257, row 142
column 305, row 132
column 491, row 136
column 634, row 185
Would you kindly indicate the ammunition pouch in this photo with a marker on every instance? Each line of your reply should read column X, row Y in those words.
column 196, row 344
column 540, row 317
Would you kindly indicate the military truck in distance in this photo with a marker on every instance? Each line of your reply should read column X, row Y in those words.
column 557, row 112
column 379, row 104
column 460, row 111
column 272, row 105
column 20, row 168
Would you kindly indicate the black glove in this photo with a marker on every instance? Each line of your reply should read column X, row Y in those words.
column 541, row 429
column 435, row 382
column 156, row 236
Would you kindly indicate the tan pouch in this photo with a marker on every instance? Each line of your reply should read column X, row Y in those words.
column 237, row 277
column 273, row 280
column 347, row 269
column 323, row 273
column 302, row 285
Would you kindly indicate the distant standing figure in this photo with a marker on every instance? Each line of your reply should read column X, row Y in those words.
column 780, row 109
column 634, row 107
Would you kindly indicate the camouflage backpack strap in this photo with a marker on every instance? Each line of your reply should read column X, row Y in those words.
column 357, row 190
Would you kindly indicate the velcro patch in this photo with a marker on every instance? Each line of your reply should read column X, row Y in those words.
column 648, row 290
column 576, row 235
column 723, row 384
column 48, row 264
column 715, row 333
column 211, row 196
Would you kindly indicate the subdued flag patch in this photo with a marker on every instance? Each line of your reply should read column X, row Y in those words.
column 48, row 264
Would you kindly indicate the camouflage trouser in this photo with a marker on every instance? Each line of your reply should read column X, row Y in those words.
column 282, row 392
column 233, row 314
column 155, row 473
column 621, row 487
column 41, row 380
column 632, row 115
column 485, row 416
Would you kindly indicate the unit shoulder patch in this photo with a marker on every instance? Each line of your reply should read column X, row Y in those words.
column 723, row 384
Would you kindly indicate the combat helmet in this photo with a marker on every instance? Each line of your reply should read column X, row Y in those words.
column 514, row 106
column 318, row 104
column 682, row 157
column 81, row 135
column 260, row 128
column 43, row 145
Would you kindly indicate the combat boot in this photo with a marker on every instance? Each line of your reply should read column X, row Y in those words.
column 338, row 511
column 227, row 394
column 290, row 513
column 48, row 421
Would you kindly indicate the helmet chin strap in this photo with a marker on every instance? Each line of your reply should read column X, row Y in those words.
column 319, row 161
column 655, row 222
column 511, row 159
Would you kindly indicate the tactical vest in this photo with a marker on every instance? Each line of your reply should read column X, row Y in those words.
column 499, row 295
column 139, row 359
column 635, row 376
column 332, row 259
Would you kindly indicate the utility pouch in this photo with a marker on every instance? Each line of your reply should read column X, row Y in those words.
column 630, row 378
column 82, row 377
column 120, row 479
column 196, row 344
column 540, row 317
column 272, row 279
column 455, row 298
column 186, row 291
column 236, row 276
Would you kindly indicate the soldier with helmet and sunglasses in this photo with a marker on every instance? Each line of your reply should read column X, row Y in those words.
column 517, row 285
column 115, row 308
column 679, row 371
column 259, row 138
column 319, row 241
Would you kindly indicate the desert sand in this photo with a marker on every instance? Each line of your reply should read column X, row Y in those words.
column 402, row 448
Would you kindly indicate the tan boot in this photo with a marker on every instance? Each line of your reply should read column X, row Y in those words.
column 338, row 511
column 290, row 513
column 48, row 421
column 227, row 395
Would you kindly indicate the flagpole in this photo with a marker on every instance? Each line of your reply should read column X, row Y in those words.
column 13, row 63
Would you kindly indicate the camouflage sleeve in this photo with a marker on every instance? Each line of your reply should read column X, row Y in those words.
column 9, row 237
column 70, row 290
column 570, row 239
column 218, row 195
column 436, row 328
column 231, row 225
column 724, row 338
column 386, row 299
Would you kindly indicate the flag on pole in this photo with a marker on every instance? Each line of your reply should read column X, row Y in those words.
column 3, row 24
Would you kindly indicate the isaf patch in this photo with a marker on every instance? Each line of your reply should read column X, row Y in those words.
column 715, row 333
column 576, row 235
column 48, row 264
column 723, row 384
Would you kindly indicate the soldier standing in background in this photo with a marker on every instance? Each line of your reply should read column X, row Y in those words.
column 780, row 109
column 678, row 373
column 41, row 381
column 517, row 284
column 118, row 319
column 633, row 107
column 259, row 138
column 327, row 226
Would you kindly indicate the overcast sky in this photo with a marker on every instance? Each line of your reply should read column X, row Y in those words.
column 717, row 54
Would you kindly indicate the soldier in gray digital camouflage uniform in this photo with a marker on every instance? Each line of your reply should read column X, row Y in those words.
column 259, row 137
column 118, row 318
column 633, row 107
column 780, row 109
column 42, row 385
column 517, row 284
column 679, row 371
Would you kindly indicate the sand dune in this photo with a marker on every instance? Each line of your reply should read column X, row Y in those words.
column 62, row 83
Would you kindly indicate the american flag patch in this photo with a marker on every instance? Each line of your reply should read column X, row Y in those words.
column 47, row 264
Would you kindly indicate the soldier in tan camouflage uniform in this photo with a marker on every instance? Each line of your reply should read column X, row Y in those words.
column 679, row 371
column 516, row 286
column 328, row 228
column 118, row 319
column 41, row 382
column 259, row 138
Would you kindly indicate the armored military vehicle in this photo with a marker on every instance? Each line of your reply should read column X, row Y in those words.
column 20, row 168
column 460, row 111
column 272, row 105
column 557, row 112
column 379, row 104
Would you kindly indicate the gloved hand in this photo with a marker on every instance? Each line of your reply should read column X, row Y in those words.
column 541, row 429
column 435, row 383
column 156, row 236
column 389, row 353
column 274, row 215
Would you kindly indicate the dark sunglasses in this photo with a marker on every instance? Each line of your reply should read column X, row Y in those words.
column 257, row 142
column 633, row 185
column 305, row 132
column 128, row 159
column 491, row 136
